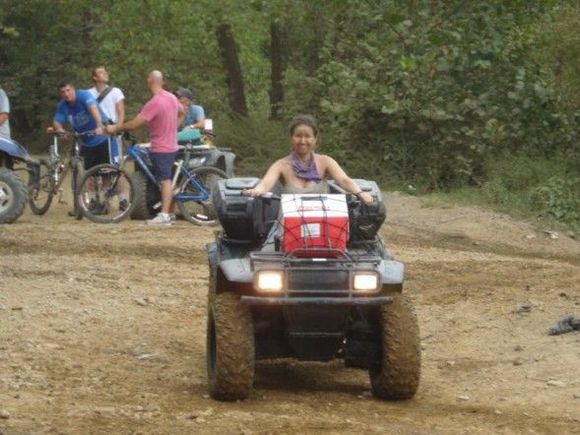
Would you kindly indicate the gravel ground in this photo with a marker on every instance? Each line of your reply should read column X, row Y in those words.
column 102, row 330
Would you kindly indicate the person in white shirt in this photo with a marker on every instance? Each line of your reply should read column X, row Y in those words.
column 110, row 98
column 4, row 115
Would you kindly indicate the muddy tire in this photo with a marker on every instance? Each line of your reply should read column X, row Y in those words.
column 230, row 348
column 200, row 212
column 13, row 196
column 141, row 206
column 396, row 375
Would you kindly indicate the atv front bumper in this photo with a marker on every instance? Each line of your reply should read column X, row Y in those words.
column 311, row 282
column 317, row 300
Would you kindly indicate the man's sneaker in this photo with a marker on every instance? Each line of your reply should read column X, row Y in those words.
column 160, row 219
column 123, row 205
column 97, row 209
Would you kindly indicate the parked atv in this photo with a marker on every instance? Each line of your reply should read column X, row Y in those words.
column 306, row 277
column 13, row 190
column 204, row 154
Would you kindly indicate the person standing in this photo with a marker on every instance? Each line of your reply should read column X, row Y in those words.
column 162, row 113
column 110, row 98
column 4, row 115
column 78, row 108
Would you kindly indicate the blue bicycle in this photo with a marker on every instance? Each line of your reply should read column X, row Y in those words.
column 108, row 193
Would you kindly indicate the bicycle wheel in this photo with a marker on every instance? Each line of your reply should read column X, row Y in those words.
column 106, row 194
column 40, row 188
column 76, row 175
column 200, row 212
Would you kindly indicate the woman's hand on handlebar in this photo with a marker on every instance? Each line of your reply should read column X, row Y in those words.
column 365, row 197
column 255, row 192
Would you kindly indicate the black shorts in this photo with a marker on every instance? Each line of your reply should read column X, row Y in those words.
column 163, row 165
column 96, row 155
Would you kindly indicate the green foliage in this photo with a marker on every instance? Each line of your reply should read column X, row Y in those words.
column 560, row 198
column 50, row 42
column 427, row 93
column 433, row 94
column 558, row 50
column 546, row 189
column 258, row 142
column 540, row 187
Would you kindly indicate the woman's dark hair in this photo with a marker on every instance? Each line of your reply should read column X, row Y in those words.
column 303, row 120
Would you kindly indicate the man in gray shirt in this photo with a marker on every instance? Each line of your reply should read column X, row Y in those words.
column 4, row 115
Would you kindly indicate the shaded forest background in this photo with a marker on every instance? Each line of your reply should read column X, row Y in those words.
column 435, row 94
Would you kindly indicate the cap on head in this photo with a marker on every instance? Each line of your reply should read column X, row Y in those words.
column 185, row 93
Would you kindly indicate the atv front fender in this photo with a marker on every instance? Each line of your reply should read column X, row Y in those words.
column 392, row 272
column 15, row 150
column 237, row 270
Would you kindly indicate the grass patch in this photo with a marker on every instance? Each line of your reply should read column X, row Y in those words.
column 545, row 190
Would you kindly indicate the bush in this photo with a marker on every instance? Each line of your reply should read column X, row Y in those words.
column 256, row 140
column 541, row 187
column 560, row 198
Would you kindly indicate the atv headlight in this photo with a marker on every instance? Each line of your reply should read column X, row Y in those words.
column 366, row 281
column 270, row 281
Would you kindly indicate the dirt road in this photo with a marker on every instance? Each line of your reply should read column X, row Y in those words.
column 102, row 330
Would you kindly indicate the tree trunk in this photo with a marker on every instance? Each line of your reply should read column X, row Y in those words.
column 234, row 77
column 277, row 75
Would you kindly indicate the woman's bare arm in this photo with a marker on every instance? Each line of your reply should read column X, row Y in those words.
column 337, row 173
column 266, row 184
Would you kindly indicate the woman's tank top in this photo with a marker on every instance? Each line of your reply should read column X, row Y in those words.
column 321, row 187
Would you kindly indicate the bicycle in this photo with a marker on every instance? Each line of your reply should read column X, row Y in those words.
column 47, row 177
column 107, row 192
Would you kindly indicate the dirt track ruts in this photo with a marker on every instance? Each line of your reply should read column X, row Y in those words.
column 102, row 330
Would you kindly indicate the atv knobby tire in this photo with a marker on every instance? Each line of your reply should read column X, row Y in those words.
column 140, row 186
column 230, row 348
column 13, row 196
column 396, row 375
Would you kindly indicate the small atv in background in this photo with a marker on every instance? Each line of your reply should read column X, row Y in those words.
column 203, row 153
column 306, row 277
column 13, row 190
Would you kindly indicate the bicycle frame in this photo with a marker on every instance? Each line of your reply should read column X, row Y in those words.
column 135, row 153
column 54, row 157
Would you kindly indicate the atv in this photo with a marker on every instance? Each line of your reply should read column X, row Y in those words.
column 306, row 277
column 13, row 191
column 204, row 153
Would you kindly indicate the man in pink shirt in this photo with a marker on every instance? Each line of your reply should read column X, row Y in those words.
column 163, row 113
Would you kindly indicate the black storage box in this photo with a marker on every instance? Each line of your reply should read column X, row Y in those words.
column 364, row 221
column 243, row 218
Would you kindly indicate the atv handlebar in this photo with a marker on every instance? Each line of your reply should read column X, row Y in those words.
column 265, row 195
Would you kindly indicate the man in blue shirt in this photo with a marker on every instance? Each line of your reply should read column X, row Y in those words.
column 80, row 109
column 194, row 114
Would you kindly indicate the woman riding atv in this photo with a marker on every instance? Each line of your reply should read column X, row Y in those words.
column 304, row 171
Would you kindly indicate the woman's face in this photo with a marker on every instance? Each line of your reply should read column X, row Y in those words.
column 303, row 140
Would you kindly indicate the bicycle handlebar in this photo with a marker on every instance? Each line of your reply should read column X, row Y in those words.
column 65, row 133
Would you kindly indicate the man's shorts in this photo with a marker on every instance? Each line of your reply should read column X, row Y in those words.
column 99, row 154
column 163, row 165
